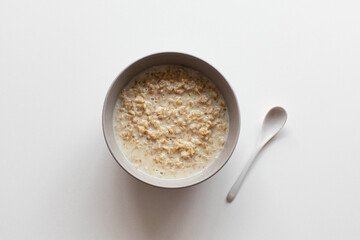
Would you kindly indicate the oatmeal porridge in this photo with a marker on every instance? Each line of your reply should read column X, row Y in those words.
column 170, row 121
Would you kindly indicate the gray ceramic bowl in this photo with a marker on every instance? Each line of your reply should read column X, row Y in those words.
column 186, row 61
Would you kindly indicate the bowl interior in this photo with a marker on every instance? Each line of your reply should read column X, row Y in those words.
column 186, row 61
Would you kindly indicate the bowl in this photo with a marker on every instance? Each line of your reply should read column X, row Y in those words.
column 171, row 58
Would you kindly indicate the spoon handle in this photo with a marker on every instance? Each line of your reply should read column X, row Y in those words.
column 235, row 188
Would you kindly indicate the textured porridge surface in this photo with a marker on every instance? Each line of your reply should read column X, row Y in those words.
column 170, row 121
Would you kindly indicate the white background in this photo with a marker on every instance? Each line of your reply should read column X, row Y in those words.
column 58, row 58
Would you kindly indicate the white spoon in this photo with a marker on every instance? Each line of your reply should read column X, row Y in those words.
column 273, row 123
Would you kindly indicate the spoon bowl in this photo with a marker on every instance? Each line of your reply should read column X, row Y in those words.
column 274, row 121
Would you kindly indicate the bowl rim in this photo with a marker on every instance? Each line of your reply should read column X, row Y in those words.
column 106, row 102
